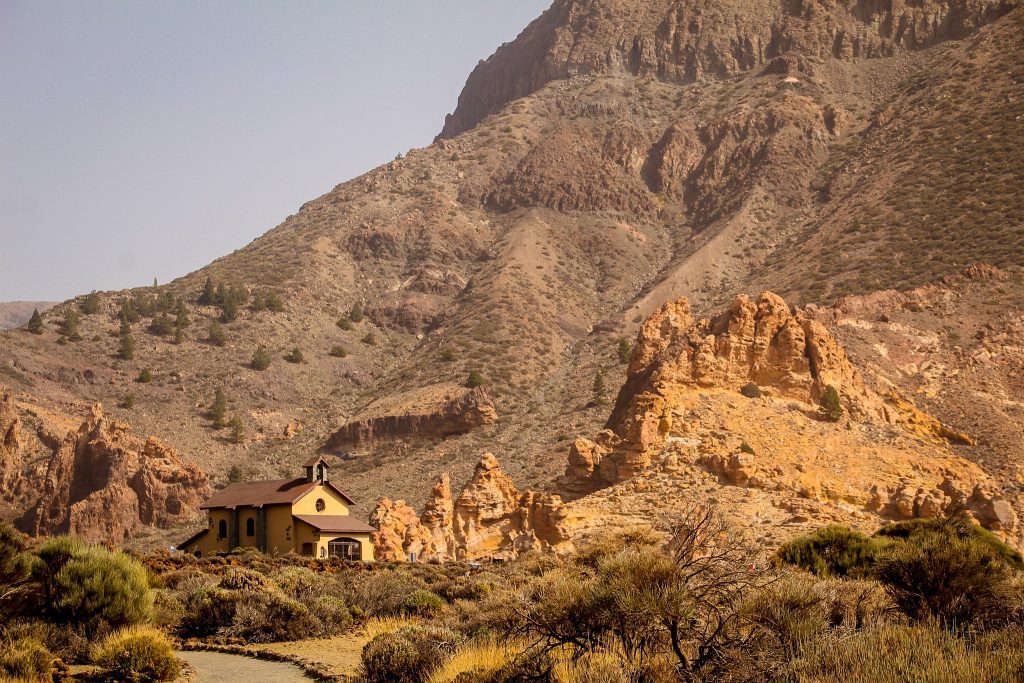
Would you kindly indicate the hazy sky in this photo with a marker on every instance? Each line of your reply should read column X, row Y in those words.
column 144, row 139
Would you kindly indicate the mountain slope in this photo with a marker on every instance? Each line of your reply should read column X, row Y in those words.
column 614, row 156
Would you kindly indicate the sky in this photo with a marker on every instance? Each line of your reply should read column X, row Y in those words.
column 143, row 139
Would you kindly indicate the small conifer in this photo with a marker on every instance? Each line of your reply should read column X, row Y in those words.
column 35, row 323
column 219, row 409
column 261, row 358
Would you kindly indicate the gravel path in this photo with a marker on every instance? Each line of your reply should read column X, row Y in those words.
column 217, row 667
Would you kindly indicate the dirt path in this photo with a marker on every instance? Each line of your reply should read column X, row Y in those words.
column 338, row 656
column 217, row 667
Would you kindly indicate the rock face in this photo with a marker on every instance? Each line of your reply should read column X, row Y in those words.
column 434, row 411
column 10, row 441
column 684, row 42
column 490, row 519
column 681, row 409
column 103, row 484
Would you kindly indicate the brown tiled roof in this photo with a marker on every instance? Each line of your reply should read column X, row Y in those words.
column 195, row 537
column 336, row 523
column 314, row 460
column 256, row 493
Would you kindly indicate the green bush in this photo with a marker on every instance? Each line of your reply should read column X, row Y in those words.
column 409, row 655
column 267, row 616
column 624, row 350
column 138, row 655
column 208, row 611
column 261, row 358
column 92, row 587
column 833, row 550
column 91, row 303
column 422, row 603
column 15, row 564
column 242, row 579
column 831, row 407
column 369, row 339
column 25, row 659
column 35, row 323
column 217, row 336
column 145, row 376
column 356, row 314
column 295, row 356
column 338, row 351
column 219, row 408
column 475, row 379
column 751, row 390
column 344, row 323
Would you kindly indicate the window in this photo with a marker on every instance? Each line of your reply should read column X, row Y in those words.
column 320, row 505
column 222, row 529
column 250, row 527
column 345, row 548
column 320, row 472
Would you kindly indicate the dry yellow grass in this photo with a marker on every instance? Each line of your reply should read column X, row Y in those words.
column 376, row 626
column 479, row 656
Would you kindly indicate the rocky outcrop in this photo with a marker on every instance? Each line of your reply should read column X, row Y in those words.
column 490, row 519
column 436, row 411
column 103, row 483
column 677, row 360
column 10, row 441
column 686, row 42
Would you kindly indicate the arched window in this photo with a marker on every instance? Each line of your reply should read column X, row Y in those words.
column 320, row 505
column 250, row 527
column 222, row 529
column 346, row 548
column 320, row 472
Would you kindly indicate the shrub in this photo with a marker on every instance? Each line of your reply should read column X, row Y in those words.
column 128, row 401
column 15, row 563
column 208, row 610
column 475, row 379
column 126, row 347
column 25, row 659
column 624, row 350
column 422, row 603
column 91, row 303
column 162, row 325
column 369, row 339
column 139, row 655
column 235, row 474
column 332, row 613
column 91, row 586
column 339, row 351
column 145, row 376
column 237, row 429
column 216, row 335
column 261, row 358
column 267, row 616
column 69, row 326
column 408, row 655
column 242, row 579
column 958, row 581
column 833, row 550
column 447, row 356
column 344, row 323
column 35, row 323
column 385, row 593
column 219, row 408
column 831, row 408
column 295, row 356
column 751, row 390
column 356, row 314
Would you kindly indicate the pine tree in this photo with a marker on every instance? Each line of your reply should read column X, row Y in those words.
column 35, row 323
column 181, row 317
column 625, row 348
column 261, row 358
column 209, row 293
column 259, row 302
column 235, row 474
column 229, row 308
column 91, row 303
column 179, row 335
column 831, row 407
column 474, row 380
column 219, row 409
column 129, row 312
column 162, row 325
column 125, row 327
column 126, row 349
column 599, row 388
column 237, row 429
column 217, row 335
column 69, row 327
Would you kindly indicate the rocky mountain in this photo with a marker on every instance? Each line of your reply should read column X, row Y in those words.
column 854, row 158
column 17, row 313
